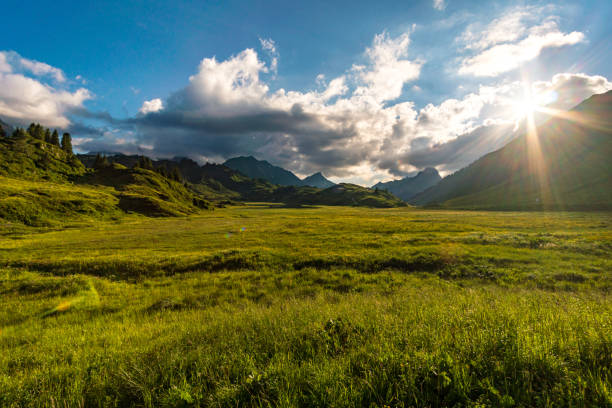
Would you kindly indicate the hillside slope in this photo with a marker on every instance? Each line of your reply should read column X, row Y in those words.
column 408, row 187
column 565, row 164
column 345, row 194
column 42, row 184
column 145, row 191
column 34, row 159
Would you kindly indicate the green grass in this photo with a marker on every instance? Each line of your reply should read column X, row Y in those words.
column 146, row 191
column 35, row 159
column 330, row 306
column 42, row 185
column 43, row 203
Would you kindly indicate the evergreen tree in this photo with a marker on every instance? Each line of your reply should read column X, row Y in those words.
column 39, row 132
column 36, row 131
column 20, row 133
column 145, row 163
column 100, row 162
column 67, row 143
column 2, row 132
column 47, row 135
column 162, row 170
column 55, row 138
column 31, row 129
column 175, row 174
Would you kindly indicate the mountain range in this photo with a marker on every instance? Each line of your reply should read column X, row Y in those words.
column 562, row 164
column 219, row 183
column 261, row 169
column 408, row 187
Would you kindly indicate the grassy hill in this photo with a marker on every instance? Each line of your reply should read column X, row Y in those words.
column 340, row 194
column 34, row 159
column 146, row 191
column 42, row 184
column 565, row 164
column 45, row 203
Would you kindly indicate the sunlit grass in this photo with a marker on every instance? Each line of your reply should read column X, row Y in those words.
column 309, row 307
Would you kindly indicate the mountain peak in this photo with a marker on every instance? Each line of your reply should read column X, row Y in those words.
column 317, row 180
column 429, row 170
column 408, row 187
column 261, row 169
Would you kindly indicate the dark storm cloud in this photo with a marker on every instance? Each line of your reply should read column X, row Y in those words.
column 83, row 130
column 283, row 136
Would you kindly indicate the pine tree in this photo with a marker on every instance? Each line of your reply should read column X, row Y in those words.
column 67, row 143
column 36, row 131
column 162, row 170
column 39, row 132
column 175, row 174
column 31, row 129
column 20, row 133
column 47, row 135
column 55, row 138
column 100, row 162
column 145, row 163
column 2, row 132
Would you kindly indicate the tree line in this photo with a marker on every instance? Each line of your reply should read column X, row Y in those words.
column 39, row 132
column 101, row 161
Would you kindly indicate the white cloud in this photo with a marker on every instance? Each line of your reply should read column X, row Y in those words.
column 24, row 99
column 154, row 105
column 270, row 47
column 389, row 69
column 565, row 90
column 452, row 117
column 439, row 4
column 16, row 62
column 40, row 69
column 508, row 42
column 4, row 65
column 223, row 87
column 509, row 27
column 81, row 79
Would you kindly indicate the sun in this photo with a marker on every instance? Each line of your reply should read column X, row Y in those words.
column 525, row 107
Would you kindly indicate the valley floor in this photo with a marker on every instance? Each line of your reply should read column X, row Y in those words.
column 261, row 305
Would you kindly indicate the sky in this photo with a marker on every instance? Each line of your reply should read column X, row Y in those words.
column 361, row 91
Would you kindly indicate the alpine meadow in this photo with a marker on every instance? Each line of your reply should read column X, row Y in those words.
column 413, row 209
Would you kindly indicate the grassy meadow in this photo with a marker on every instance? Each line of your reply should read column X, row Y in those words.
column 263, row 305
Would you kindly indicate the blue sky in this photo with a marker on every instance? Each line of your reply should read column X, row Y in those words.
column 363, row 91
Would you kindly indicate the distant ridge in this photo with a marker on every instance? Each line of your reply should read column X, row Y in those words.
column 566, row 165
column 408, row 187
column 261, row 169
column 220, row 184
